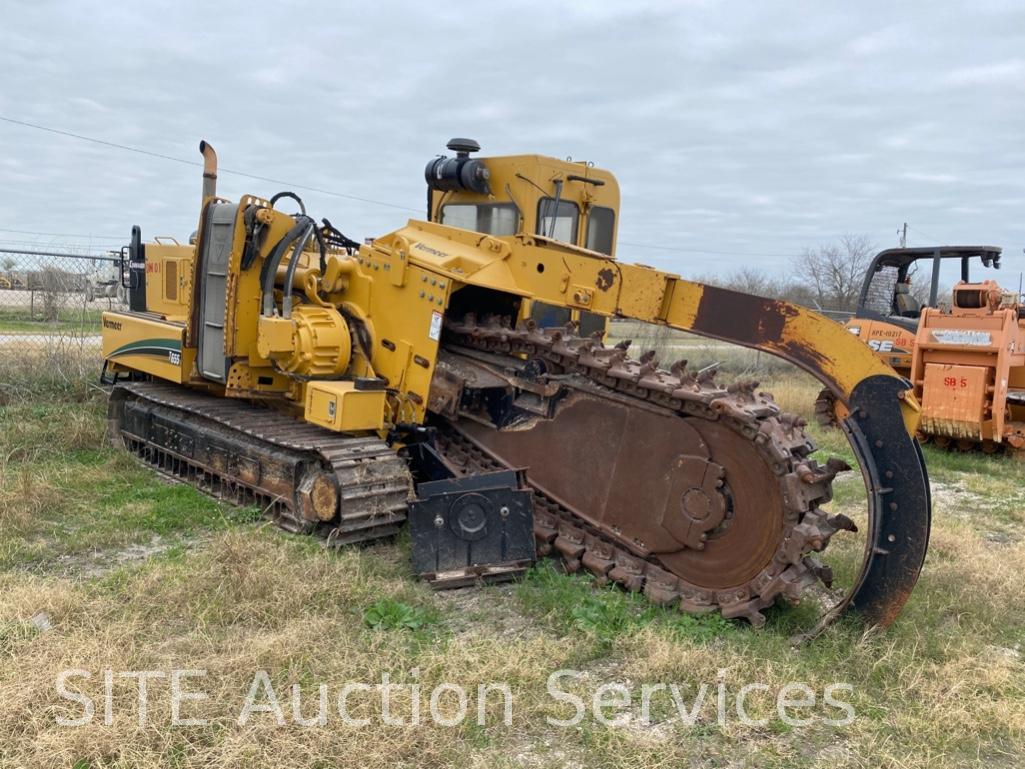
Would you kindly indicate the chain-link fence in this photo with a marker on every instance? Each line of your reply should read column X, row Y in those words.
column 51, row 305
column 52, row 301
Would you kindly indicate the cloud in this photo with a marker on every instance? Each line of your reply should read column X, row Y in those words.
column 743, row 127
column 1002, row 73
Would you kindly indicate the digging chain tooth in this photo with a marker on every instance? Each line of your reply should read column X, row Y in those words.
column 811, row 472
column 599, row 558
column 571, row 347
column 835, row 465
column 599, row 358
column 789, row 583
column 625, row 369
column 617, row 355
column 697, row 601
column 570, row 543
column 818, row 527
column 648, row 367
column 661, row 586
column 744, row 389
column 822, row 572
column 730, row 407
column 661, row 383
column 770, row 437
column 536, row 336
column 749, row 610
column 795, row 580
column 546, row 529
column 740, row 604
column 840, row 522
column 825, row 409
column 624, row 344
column 628, row 571
column 679, row 369
column 707, row 376
column 790, row 436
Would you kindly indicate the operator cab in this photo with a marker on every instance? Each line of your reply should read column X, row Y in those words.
column 564, row 203
column 889, row 294
column 568, row 202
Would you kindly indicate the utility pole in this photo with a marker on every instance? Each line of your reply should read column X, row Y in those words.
column 904, row 236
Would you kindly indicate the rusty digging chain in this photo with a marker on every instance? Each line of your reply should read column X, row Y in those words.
column 825, row 409
column 779, row 438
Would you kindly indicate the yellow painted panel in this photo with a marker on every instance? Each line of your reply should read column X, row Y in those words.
column 146, row 344
column 341, row 407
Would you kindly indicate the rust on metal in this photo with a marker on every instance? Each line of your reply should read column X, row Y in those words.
column 697, row 494
column 606, row 278
column 733, row 315
column 307, row 479
column 808, row 357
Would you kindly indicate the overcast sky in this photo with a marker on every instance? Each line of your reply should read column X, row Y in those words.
column 740, row 132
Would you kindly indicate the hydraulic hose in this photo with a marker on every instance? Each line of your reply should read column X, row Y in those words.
column 270, row 267
column 300, row 244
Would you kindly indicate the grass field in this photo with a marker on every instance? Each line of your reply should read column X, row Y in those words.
column 103, row 565
column 72, row 316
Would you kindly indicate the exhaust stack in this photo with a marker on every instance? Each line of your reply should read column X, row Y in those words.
column 209, row 170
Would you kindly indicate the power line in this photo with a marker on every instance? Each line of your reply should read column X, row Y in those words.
column 700, row 250
column 937, row 241
column 80, row 247
column 138, row 150
column 60, row 234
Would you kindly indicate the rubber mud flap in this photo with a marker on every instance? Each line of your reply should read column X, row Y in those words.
column 900, row 506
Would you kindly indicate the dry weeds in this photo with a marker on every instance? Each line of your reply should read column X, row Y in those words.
column 944, row 687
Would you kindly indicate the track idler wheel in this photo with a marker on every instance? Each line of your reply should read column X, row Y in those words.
column 317, row 496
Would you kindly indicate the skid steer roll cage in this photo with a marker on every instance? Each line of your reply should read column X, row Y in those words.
column 883, row 412
column 904, row 258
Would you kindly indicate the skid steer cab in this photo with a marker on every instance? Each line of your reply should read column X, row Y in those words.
column 902, row 282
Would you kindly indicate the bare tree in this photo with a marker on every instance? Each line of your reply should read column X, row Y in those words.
column 747, row 280
column 54, row 285
column 834, row 273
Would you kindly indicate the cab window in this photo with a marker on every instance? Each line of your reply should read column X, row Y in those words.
column 591, row 323
column 489, row 218
column 558, row 223
column 549, row 316
column 600, row 225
